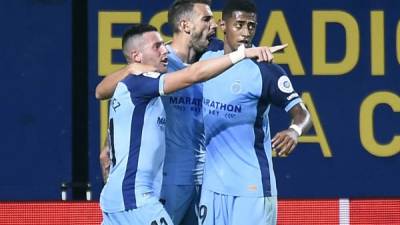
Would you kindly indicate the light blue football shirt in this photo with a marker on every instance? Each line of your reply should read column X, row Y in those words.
column 238, row 142
column 184, row 133
column 136, row 125
column 185, row 150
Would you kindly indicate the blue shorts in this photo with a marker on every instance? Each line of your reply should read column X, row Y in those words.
column 220, row 209
column 180, row 201
column 152, row 213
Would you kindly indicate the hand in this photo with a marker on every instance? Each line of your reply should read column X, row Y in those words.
column 285, row 141
column 263, row 53
column 139, row 68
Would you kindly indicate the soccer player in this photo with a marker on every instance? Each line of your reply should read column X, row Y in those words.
column 193, row 29
column 137, row 123
column 239, row 183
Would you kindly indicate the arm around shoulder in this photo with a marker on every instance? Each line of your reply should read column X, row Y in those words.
column 105, row 89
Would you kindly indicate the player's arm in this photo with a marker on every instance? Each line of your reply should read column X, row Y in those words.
column 105, row 161
column 105, row 89
column 285, row 141
column 207, row 69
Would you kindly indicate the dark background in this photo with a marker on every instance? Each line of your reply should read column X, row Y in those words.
column 51, row 119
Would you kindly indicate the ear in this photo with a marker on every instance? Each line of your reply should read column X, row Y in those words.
column 185, row 26
column 222, row 25
column 136, row 56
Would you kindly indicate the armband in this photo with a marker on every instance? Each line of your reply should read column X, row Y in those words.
column 237, row 55
column 296, row 128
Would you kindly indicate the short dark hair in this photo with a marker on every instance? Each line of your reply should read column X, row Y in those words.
column 238, row 5
column 180, row 8
column 136, row 29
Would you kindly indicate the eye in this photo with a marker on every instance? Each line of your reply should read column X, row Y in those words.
column 207, row 18
column 238, row 25
column 251, row 26
column 158, row 45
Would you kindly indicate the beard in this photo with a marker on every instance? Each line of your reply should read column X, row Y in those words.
column 199, row 42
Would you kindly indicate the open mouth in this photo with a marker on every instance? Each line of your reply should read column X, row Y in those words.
column 164, row 61
column 244, row 42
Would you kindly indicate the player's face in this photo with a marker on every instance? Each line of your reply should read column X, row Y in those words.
column 203, row 27
column 154, row 51
column 239, row 29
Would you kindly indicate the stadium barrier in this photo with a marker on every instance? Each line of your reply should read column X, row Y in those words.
column 291, row 212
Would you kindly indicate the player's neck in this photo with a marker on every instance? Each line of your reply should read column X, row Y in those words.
column 227, row 48
column 181, row 45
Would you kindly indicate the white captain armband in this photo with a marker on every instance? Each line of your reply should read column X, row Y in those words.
column 237, row 55
column 296, row 128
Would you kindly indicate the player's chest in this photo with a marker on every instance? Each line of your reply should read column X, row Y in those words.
column 238, row 86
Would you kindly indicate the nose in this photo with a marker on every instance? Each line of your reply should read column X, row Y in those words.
column 163, row 49
column 213, row 24
column 246, row 32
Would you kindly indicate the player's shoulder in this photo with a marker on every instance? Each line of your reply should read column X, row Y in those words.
column 154, row 75
column 215, row 44
column 212, row 54
column 141, row 77
column 142, row 83
column 270, row 69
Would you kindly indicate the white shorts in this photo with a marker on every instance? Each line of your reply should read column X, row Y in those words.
column 180, row 201
column 152, row 213
column 220, row 209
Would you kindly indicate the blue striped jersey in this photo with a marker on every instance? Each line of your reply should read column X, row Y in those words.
column 238, row 140
column 136, row 126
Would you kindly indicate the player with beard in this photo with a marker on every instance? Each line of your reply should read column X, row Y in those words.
column 137, row 123
column 193, row 31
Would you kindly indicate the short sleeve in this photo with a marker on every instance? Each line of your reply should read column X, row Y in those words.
column 277, row 87
column 161, row 85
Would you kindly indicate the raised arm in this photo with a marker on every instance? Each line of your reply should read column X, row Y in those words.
column 285, row 141
column 207, row 69
column 105, row 89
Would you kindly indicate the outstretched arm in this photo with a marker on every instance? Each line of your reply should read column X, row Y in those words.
column 207, row 69
column 105, row 89
column 285, row 141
